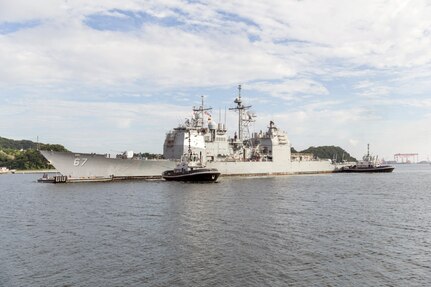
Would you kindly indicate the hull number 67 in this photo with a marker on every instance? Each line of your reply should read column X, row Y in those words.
column 79, row 161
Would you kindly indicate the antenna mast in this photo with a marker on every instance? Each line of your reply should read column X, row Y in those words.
column 242, row 121
column 190, row 148
column 201, row 110
column 224, row 117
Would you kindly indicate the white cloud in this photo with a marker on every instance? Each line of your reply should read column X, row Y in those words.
column 161, row 56
column 290, row 89
column 375, row 92
column 375, row 33
column 379, row 34
column 353, row 142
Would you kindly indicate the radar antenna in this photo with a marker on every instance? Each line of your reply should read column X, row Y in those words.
column 244, row 117
column 201, row 110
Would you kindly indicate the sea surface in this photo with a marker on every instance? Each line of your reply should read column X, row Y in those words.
column 309, row 230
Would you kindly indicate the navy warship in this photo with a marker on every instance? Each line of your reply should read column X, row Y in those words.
column 265, row 153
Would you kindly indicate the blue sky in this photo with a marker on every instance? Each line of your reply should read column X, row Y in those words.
column 108, row 76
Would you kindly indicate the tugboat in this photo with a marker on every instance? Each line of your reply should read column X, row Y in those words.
column 368, row 164
column 55, row 179
column 191, row 169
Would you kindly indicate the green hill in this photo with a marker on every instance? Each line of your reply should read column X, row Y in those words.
column 14, row 144
column 23, row 154
column 329, row 152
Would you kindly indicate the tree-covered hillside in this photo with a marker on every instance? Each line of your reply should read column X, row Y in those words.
column 16, row 144
column 330, row 152
column 23, row 154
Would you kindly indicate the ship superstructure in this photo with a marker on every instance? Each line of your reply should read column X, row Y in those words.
column 256, row 154
column 212, row 143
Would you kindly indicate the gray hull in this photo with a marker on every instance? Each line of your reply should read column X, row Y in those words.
column 84, row 166
column 95, row 167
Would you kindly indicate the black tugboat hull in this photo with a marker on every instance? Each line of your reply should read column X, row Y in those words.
column 369, row 169
column 192, row 176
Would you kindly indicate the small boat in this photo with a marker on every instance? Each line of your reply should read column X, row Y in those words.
column 191, row 170
column 5, row 170
column 55, row 179
column 368, row 164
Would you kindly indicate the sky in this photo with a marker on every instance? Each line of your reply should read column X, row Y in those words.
column 108, row 76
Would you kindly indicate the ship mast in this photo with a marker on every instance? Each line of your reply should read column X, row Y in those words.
column 241, row 112
column 201, row 110
column 368, row 150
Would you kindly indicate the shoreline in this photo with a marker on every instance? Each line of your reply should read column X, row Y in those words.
column 35, row 171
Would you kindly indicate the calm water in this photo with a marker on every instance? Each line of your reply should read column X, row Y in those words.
column 320, row 230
